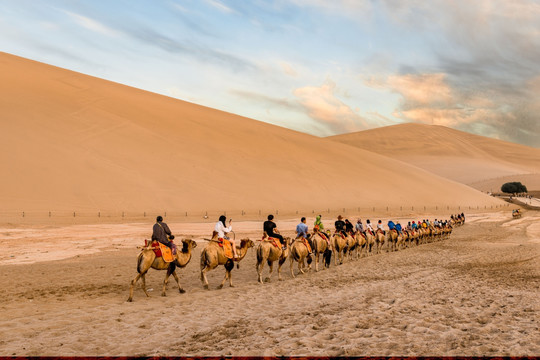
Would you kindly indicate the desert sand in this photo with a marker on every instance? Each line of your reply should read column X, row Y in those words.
column 475, row 293
column 450, row 153
column 78, row 143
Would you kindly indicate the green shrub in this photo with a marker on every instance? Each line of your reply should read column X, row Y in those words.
column 513, row 187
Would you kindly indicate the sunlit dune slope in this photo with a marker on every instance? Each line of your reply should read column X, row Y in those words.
column 450, row 153
column 74, row 142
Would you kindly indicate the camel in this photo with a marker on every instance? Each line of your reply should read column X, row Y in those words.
column 362, row 242
column 379, row 242
column 321, row 246
column 352, row 245
column 213, row 255
column 147, row 259
column 392, row 239
column 299, row 252
column 268, row 252
column 370, row 240
column 400, row 241
column 339, row 243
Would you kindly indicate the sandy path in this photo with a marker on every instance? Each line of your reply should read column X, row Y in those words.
column 474, row 294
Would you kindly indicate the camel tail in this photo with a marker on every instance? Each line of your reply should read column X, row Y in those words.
column 139, row 261
column 259, row 256
column 203, row 262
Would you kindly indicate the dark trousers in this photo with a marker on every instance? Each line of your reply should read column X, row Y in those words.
column 277, row 236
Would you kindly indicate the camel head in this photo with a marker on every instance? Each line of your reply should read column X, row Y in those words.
column 246, row 243
column 188, row 243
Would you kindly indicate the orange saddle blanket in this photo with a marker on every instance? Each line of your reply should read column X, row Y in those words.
column 160, row 250
column 227, row 247
column 275, row 242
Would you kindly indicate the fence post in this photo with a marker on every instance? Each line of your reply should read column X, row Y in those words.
column 99, row 214
column 23, row 214
column 74, row 214
column 144, row 214
column 49, row 214
column 165, row 214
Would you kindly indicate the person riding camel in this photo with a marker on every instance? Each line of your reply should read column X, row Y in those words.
column 340, row 226
column 349, row 228
column 398, row 228
column 381, row 227
column 369, row 227
column 360, row 227
column 319, row 227
column 302, row 230
column 222, row 230
column 162, row 234
column 271, row 230
column 391, row 225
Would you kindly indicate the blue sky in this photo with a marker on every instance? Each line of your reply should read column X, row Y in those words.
column 321, row 67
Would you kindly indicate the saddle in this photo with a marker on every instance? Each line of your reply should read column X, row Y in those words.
column 305, row 242
column 160, row 250
column 227, row 247
column 274, row 241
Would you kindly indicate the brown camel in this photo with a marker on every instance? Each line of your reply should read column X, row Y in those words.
column 352, row 245
column 392, row 239
column 299, row 252
column 370, row 240
column 321, row 246
column 339, row 244
column 268, row 252
column 213, row 255
column 362, row 242
column 147, row 259
column 380, row 238
column 400, row 241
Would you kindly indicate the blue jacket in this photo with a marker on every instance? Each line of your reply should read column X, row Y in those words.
column 398, row 227
column 391, row 225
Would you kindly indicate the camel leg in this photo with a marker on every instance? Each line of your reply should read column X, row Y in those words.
column 203, row 277
column 230, row 279
column 260, row 267
column 224, row 279
column 292, row 264
column 180, row 290
column 300, row 266
column 316, row 261
column 281, row 262
column 165, row 283
column 143, row 279
column 271, row 265
column 133, row 282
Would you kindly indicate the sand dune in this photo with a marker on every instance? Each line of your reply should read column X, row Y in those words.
column 75, row 142
column 450, row 153
column 531, row 181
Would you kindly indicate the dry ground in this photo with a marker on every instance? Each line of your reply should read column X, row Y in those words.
column 474, row 294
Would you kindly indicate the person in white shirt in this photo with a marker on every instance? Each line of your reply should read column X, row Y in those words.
column 221, row 229
column 369, row 228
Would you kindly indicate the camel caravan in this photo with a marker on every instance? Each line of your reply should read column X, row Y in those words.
column 309, row 248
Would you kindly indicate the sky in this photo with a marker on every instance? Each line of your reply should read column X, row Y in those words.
column 319, row 67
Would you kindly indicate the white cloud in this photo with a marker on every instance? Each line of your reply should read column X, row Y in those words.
column 220, row 6
column 92, row 24
column 321, row 105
